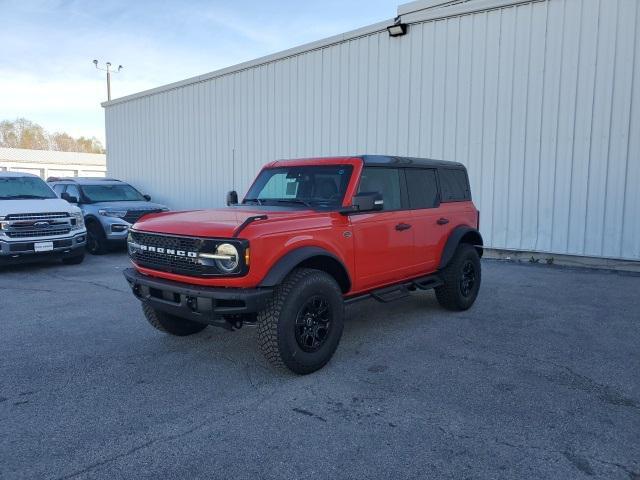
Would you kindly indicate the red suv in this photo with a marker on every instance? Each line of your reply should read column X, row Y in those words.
column 309, row 237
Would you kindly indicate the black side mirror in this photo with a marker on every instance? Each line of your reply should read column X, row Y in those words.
column 232, row 198
column 368, row 202
column 147, row 197
column 68, row 198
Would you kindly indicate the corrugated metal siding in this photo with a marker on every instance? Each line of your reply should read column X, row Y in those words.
column 540, row 100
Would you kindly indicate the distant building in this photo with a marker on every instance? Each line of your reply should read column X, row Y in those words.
column 49, row 163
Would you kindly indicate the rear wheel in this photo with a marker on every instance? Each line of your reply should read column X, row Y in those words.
column 461, row 279
column 96, row 240
column 302, row 325
column 171, row 324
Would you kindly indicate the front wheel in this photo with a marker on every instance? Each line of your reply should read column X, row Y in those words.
column 302, row 324
column 171, row 324
column 96, row 239
column 461, row 279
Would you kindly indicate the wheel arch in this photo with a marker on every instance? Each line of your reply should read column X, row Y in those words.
column 461, row 234
column 308, row 257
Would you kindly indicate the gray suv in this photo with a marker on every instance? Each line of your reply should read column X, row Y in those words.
column 109, row 206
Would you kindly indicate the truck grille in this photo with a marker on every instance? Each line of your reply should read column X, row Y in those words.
column 170, row 263
column 133, row 216
column 32, row 225
column 36, row 216
column 37, row 233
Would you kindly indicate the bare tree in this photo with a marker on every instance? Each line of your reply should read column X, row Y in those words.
column 23, row 133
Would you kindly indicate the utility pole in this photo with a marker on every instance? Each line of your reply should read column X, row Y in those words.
column 109, row 72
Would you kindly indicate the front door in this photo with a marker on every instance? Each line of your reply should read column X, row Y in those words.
column 383, row 240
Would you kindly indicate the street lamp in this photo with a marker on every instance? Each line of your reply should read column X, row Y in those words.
column 109, row 72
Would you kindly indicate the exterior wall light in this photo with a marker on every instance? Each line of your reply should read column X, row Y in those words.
column 397, row 29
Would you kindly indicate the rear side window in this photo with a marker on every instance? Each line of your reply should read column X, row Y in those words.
column 385, row 181
column 423, row 188
column 454, row 185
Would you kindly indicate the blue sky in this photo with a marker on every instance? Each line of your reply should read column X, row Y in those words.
column 46, row 73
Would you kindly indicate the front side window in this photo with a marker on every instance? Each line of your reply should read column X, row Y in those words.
column 58, row 188
column 316, row 186
column 423, row 188
column 385, row 181
column 454, row 184
column 111, row 193
column 17, row 188
column 73, row 191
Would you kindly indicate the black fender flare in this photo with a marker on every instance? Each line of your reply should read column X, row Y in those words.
column 283, row 266
column 459, row 235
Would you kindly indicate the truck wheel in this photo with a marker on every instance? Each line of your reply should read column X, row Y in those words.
column 171, row 324
column 461, row 279
column 76, row 260
column 96, row 241
column 301, row 327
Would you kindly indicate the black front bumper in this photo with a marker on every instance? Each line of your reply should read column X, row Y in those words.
column 201, row 304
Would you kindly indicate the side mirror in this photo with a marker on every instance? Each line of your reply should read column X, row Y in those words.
column 68, row 198
column 232, row 198
column 147, row 197
column 368, row 202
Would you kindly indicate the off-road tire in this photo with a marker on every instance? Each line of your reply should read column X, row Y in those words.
column 276, row 323
column 75, row 260
column 450, row 295
column 171, row 324
column 96, row 239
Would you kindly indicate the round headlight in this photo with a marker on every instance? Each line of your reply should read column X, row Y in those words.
column 230, row 263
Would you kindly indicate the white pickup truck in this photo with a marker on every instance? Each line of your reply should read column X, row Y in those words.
column 35, row 224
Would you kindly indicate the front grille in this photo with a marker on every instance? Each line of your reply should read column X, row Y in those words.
column 133, row 216
column 37, row 233
column 184, row 264
column 36, row 216
column 169, row 263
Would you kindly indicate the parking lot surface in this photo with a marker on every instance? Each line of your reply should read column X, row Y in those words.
column 540, row 379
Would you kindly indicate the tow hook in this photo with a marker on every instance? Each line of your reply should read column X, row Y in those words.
column 192, row 303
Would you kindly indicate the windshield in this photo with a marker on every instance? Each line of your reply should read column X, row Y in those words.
column 312, row 186
column 112, row 193
column 16, row 188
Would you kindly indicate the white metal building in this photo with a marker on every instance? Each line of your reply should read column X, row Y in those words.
column 540, row 99
column 48, row 163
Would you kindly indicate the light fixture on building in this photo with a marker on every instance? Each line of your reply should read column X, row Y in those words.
column 398, row 28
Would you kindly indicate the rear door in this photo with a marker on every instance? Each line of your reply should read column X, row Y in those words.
column 429, row 231
column 383, row 240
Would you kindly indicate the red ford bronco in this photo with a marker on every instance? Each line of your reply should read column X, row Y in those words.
column 309, row 237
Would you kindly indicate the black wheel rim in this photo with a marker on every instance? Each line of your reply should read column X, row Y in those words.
column 92, row 244
column 468, row 280
column 313, row 323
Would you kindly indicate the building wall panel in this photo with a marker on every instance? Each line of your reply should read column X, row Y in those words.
column 539, row 99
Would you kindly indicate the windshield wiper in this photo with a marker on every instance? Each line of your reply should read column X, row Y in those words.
column 17, row 197
column 254, row 200
column 292, row 200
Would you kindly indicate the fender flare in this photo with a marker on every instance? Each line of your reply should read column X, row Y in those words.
column 285, row 264
column 470, row 235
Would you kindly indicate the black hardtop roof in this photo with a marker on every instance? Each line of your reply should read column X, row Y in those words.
column 408, row 161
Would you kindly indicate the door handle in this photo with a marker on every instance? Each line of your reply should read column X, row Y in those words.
column 403, row 226
column 442, row 221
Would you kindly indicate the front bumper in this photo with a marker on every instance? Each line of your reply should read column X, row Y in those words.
column 22, row 250
column 200, row 304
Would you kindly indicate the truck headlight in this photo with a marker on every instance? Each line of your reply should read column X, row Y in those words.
column 230, row 263
column 79, row 221
column 226, row 257
column 112, row 213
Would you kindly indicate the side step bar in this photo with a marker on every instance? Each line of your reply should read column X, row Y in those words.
column 401, row 290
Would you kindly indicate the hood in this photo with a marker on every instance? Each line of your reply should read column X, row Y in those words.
column 210, row 223
column 128, row 205
column 47, row 205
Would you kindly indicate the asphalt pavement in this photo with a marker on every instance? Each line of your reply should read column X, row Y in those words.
column 539, row 380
